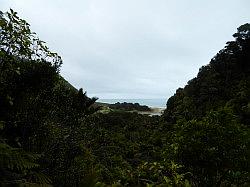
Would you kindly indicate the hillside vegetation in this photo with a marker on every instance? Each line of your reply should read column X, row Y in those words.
column 52, row 134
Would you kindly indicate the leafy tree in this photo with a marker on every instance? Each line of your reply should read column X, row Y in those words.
column 214, row 149
column 16, row 39
column 49, row 128
column 208, row 120
column 24, row 70
column 38, row 109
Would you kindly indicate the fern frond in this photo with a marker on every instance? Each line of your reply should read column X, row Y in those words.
column 16, row 159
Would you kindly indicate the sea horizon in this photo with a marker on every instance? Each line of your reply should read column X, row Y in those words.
column 153, row 103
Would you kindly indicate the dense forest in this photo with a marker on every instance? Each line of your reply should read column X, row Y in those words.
column 52, row 134
column 129, row 106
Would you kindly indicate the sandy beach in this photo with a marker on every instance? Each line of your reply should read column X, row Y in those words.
column 154, row 111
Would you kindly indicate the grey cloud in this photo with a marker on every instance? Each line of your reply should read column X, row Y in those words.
column 132, row 48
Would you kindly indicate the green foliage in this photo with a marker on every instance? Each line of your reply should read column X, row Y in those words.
column 213, row 147
column 209, row 118
column 39, row 111
column 13, row 158
column 226, row 80
column 16, row 39
column 120, row 141
column 162, row 174
column 51, row 134
column 129, row 106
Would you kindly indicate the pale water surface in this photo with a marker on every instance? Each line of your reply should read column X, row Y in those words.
column 158, row 103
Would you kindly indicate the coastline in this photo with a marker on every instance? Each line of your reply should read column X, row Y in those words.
column 155, row 111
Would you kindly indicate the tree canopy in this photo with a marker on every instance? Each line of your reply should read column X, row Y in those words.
column 52, row 134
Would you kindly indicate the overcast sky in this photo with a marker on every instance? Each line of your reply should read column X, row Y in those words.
column 132, row 48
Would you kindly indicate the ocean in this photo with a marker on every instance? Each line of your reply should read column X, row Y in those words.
column 157, row 103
